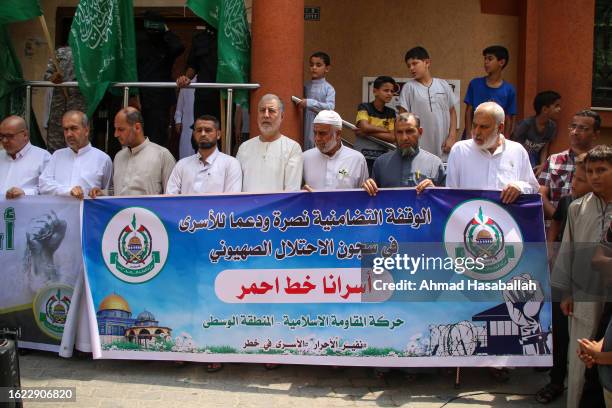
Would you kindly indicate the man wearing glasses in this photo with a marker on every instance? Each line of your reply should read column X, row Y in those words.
column 556, row 176
column 20, row 163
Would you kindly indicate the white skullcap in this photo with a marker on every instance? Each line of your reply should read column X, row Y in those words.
column 329, row 117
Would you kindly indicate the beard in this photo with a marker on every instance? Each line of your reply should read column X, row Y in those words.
column 328, row 147
column 205, row 144
column 489, row 144
column 409, row 151
column 269, row 129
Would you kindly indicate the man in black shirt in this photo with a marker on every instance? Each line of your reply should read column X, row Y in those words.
column 202, row 61
column 157, row 49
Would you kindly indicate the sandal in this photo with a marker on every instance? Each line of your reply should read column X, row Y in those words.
column 271, row 366
column 214, row 367
column 500, row 374
column 381, row 373
column 549, row 393
column 411, row 377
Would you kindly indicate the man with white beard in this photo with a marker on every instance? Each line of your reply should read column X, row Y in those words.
column 489, row 161
column 330, row 165
column 270, row 162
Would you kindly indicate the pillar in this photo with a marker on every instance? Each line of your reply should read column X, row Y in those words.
column 557, row 54
column 277, row 59
column 527, row 58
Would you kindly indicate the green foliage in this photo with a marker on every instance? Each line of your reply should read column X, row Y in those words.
column 123, row 345
column 379, row 352
column 222, row 349
column 331, row 352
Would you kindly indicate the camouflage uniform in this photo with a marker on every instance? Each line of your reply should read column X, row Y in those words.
column 59, row 103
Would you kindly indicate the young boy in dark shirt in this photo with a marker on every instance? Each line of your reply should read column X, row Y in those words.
column 536, row 132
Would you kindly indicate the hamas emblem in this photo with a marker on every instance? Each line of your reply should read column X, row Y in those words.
column 51, row 305
column 483, row 237
column 135, row 251
column 485, row 230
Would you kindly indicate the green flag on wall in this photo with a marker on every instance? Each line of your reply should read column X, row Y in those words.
column 12, row 91
column 18, row 10
column 233, row 40
column 104, row 47
column 11, row 76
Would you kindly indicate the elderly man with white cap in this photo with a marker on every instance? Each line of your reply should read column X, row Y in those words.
column 330, row 165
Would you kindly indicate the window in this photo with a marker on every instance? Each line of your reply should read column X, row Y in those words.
column 602, row 55
column 503, row 328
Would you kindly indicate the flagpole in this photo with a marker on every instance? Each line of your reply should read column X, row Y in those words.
column 43, row 23
column 223, row 144
column 229, row 121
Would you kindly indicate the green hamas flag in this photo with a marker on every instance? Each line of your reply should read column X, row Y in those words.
column 12, row 91
column 233, row 39
column 103, row 46
column 11, row 77
column 18, row 10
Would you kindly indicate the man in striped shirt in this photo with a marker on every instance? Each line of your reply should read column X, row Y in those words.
column 556, row 176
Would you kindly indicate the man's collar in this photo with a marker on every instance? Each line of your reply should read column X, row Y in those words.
column 141, row 146
column 601, row 200
column 260, row 137
column 502, row 145
column 82, row 150
column 210, row 159
column 24, row 150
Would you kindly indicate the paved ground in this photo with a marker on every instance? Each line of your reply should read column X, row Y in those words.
column 105, row 383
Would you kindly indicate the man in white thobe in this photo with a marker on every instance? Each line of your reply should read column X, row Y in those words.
column 20, row 163
column 141, row 167
column 330, row 165
column 271, row 162
column 489, row 161
column 183, row 119
column 209, row 170
column 76, row 169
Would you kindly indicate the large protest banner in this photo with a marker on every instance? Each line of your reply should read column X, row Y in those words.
column 445, row 278
column 40, row 263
